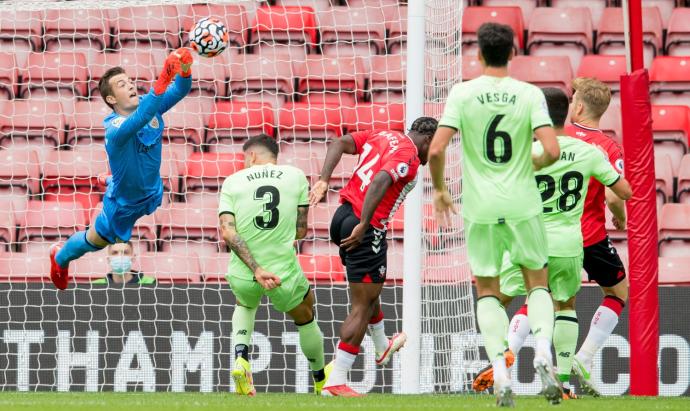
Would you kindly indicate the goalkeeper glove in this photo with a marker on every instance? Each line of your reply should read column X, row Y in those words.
column 186, row 61
column 170, row 68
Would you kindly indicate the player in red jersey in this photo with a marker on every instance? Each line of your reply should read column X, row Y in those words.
column 386, row 172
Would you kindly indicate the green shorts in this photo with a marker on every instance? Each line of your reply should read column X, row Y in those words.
column 564, row 278
column 293, row 288
column 525, row 241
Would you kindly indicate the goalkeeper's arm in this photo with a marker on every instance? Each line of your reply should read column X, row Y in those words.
column 183, row 82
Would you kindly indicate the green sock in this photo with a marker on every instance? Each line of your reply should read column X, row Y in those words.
column 311, row 342
column 540, row 313
column 565, row 333
column 242, row 325
column 493, row 325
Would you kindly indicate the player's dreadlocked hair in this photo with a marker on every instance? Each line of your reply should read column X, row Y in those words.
column 263, row 140
column 425, row 125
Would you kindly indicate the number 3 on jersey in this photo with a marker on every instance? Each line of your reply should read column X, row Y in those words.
column 493, row 137
column 363, row 168
column 268, row 219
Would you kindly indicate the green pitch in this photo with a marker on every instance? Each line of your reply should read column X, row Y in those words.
column 289, row 402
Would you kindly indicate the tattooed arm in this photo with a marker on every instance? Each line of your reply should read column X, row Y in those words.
column 302, row 225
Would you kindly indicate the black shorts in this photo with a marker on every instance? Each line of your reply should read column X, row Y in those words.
column 367, row 263
column 603, row 264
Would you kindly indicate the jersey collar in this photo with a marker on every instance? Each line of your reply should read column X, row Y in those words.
column 586, row 128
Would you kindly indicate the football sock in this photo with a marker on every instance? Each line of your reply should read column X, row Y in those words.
column 518, row 330
column 565, row 332
column 242, row 325
column 311, row 343
column 540, row 315
column 604, row 321
column 345, row 356
column 493, row 324
column 76, row 246
column 378, row 333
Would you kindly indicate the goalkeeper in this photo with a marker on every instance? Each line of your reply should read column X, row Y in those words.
column 263, row 210
column 133, row 143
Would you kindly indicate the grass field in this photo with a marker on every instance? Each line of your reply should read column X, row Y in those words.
column 289, row 402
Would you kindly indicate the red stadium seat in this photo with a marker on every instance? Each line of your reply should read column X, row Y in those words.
column 73, row 175
column 317, row 246
column 674, row 230
column 610, row 122
column 543, row 71
column 210, row 76
column 90, row 267
column 203, row 248
column 387, row 78
column 397, row 32
column 671, row 127
column 85, row 126
column 526, row 6
column 188, row 223
column 301, row 155
column 146, row 27
column 596, row 7
column 683, row 190
column 214, row 267
column 474, row 17
column 184, row 124
column 80, row 29
column 19, row 171
column 666, row 7
column 170, row 170
column 269, row 73
column 670, row 78
column 320, row 220
column 20, row 32
column 139, row 67
column 8, row 228
column 207, row 171
column 322, row 268
column 343, row 171
column 51, row 219
column 374, row 116
column 55, row 74
column 471, row 68
column 678, row 35
column 352, row 31
column 306, row 121
column 233, row 16
column 234, row 121
column 663, row 170
column 171, row 267
column 24, row 267
column 284, row 24
column 32, row 121
column 17, row 202
column 444, row 268
column 9, row 74
column 611, row 33
column 607, row 69
column 560, row 32
column 674, row 270
column 328, row 76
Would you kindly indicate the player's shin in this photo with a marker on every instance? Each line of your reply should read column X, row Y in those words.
column 603, row 323
column 76, row 246
column 518, row 330
column 565, row 335
column 242, row 329
column 493, row 324
column 345, row 357
column 378, row 332
column 540, row 315
column 311, row 343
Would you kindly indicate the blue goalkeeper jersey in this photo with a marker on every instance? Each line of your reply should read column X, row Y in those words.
column 133, row 144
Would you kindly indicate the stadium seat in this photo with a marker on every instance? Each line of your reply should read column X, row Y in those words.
column 23, row 268
column 51, row 74
column 297, row 155
column 665, row 7
column 374, row 116
column 202, row 199
column 184, row 124
column 317, row 246
column 596, row 7
column 146, row 27
column 322, row 268
column 170, row 169
column 214, row 267
column 233, row 16
column 471, row 69
column 320, row 220
column 36, row 122
column 352, row 31
column 20, row 32
column 611, row 33
column 674, row 270
column 51, row 219
column 207, row 171
column 607, row 69
column 188, row 223
column 342, row 172
column 474, row 17
column 663, row 170
column 8, row 228
column 9, row 74
column 445, row 268
column 543, row 71
column 19, row 171
column 304, row 121
column 670, row 80
column 253, row 74
column 671, row 128
column 610, row 122
column 396, row 25
column 235, row 121
column 171, row 267
column 387, row 78
column 210, row 76
column 91, row 267
column 139, row 67
column 284, row 25
column 526, row 6
column 83, row 30
column 678, row 35
column 674, row 230
column 85, row 125
column 74, row 175
column 560, row 32
column 683, row 189
column 201, row 247
column 334, row 79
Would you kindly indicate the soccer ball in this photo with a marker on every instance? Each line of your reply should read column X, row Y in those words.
column 208, row 37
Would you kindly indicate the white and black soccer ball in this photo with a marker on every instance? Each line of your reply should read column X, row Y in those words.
column 208, row 37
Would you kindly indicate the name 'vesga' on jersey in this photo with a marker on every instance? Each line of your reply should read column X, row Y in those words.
column 505, row 98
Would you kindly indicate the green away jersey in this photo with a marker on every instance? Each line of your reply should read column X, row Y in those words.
column 563, row 187
column 496, row 117
column 264, row 201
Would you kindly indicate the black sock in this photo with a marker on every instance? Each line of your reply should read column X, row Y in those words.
column 242, row 350
column 319, row 375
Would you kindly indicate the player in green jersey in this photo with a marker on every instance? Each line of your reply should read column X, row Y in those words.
column 497, row 116
column 563, row 186
column 263, row 210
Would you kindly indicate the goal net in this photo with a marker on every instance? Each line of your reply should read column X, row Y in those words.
column 303, row 71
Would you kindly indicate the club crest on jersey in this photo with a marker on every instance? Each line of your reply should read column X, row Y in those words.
column 619, row 164
column 117, row 122
column 402, row 169
column 154, row 123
